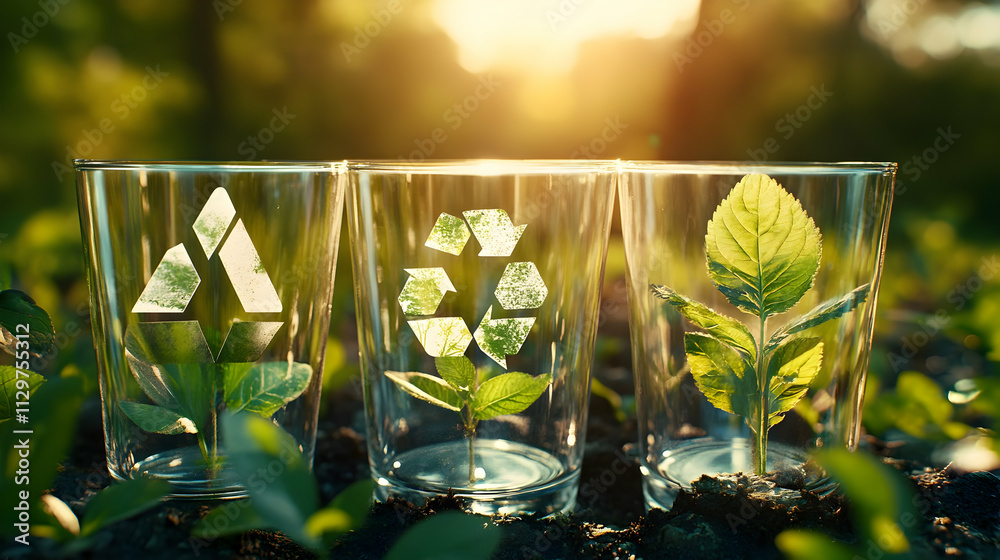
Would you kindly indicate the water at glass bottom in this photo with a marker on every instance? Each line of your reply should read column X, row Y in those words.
column 511, row 477
column 184, row 468
column 681, row 466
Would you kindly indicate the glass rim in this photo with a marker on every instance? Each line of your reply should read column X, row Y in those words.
column 769, row 167
column 485, row 167
column 204, row 166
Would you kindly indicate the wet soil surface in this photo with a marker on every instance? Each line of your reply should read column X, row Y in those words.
column 720, row 518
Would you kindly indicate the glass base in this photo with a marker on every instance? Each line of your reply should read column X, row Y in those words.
column 509, row 478
column 185, row 470
column 684, row 465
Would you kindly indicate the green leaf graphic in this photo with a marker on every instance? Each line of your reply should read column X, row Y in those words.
column 763, row 249
column 157, row 419
column 267, row 387
column 724, row 329
column 509, row 393
column 427, row 388
column 725, row 378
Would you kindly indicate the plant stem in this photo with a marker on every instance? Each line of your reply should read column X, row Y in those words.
column 204, row 448
column 758, row 453
column 470, row 427
column 472, row 458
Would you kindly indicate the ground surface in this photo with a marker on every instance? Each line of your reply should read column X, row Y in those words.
column 726, row 521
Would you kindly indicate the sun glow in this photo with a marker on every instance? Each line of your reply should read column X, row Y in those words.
column 546, row 36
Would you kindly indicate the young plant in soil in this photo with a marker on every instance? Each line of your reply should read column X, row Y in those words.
column 763, row 252
column 187, row 397
column 460, row 389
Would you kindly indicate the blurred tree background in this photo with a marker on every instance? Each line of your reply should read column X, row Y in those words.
column 912, row 81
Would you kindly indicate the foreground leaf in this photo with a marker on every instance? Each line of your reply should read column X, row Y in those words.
column 509, row 393
column 265, row 388
column 427, row 388
column 230, row 519
column 122, row 500
column 284, row 501
column 447, row 535
column 16, row 308
column 722, row 328
column 791, row 370
column 763, row 249
column 157, row 419
column 802, row 544
column 724, row 377
column 9, row 389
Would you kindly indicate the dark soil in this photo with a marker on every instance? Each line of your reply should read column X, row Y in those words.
column 719, row 519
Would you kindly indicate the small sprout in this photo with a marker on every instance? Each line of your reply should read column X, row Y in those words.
column 460, row 390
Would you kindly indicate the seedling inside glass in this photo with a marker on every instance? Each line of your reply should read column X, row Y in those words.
column 172, row 365
column 459, row 389
column 763, row 253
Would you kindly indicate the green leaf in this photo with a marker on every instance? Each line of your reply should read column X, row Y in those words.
column 55, row 407
column 10, row 384
column 355, row 500
column 826, row 311
column 427, row 388
column 509, row 393
column 173, row 365
column 347, row 511
column 231, row 519
column 20, row 315
column 285, row 500
column 157, row 419
column 763, row 249
column 265, row 388
column 727, row 380
column 722, row 328
column 881, row 498
column 121, row 501
column 792, row 368
column 803, row 544
column 448, row 535
column 458, row 371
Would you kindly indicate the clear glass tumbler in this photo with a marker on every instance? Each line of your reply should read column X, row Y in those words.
column 477, row 286
column 210, row 287
column 752, row 292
